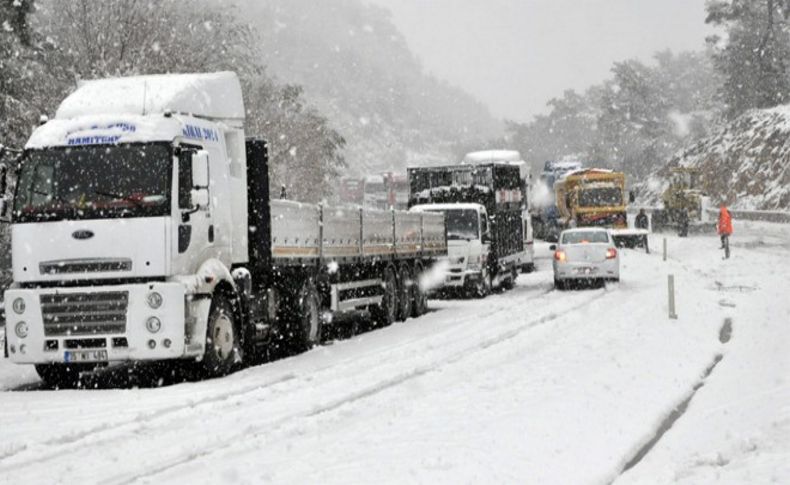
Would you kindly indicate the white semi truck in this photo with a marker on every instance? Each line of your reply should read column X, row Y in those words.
column 143, row 230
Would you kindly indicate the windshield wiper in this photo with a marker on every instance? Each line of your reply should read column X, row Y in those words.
column 124, row 198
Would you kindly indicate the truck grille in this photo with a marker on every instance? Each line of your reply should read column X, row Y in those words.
column 85, row 266
column 84, row 313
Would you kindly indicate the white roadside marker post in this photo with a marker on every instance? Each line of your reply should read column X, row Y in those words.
column 671, row 292
column 665, row 249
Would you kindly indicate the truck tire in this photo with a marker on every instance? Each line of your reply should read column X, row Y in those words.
column 483, row 287
column 223, row 345
column 528, row 268
column 405, row 293
column 308, row 328
column 510, row 282
column 420, row 306
column 62, row 376
column 385, row 313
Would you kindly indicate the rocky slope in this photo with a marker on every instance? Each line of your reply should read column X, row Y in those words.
column 745, row 163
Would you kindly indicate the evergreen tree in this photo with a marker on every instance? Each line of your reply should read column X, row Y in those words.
column 753, row 56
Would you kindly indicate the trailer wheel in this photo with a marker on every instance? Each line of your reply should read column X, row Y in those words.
column 62, row 376
column 385, row 313
column 420, row 306
column 223, row 346
column 405, row 293
column 308, row 313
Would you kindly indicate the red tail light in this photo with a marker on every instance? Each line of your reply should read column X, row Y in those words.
column 611, row 253
column 560, row 256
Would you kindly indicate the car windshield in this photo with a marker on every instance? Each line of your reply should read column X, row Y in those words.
column 462, row 224
column 601, row 197
column 585, row 237
column 94, row 182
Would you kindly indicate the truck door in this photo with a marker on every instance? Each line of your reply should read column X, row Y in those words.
column 196, row 232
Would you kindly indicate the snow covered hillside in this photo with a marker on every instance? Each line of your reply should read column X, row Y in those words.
column 530, row 386
column 745, row 163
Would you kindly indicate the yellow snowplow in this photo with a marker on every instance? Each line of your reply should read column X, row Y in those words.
column 595, row 197
column 685, row 205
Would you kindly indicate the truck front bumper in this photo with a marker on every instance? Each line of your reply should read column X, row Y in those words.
column 460, row 278
column 96, row 324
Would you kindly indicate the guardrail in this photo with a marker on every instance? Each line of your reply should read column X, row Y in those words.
column 778, row 217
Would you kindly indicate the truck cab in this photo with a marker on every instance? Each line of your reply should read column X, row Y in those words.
column 130, row 211
column 468, row 246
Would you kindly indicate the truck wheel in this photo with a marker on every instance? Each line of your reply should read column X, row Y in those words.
column 510, row 282
column 385, row 313
column 420, row 305
column 62, row 376
column 223, row 347
column 405, row 293
column 528, row 268
column 308, row 314
column 483, row 287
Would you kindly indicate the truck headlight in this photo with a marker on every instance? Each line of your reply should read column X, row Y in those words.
column 154, row 300
column 153, row 324
column 21, row 329
column 19, row 306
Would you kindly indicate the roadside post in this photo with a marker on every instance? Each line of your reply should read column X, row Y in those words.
column 665, row 249
column 671, row 293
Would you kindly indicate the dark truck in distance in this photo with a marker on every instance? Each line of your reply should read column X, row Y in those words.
column 498, row 189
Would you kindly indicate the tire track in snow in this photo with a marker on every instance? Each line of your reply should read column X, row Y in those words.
column 139, row 421
column 383, row 385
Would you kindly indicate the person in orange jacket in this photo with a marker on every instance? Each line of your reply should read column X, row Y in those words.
column 725, row 229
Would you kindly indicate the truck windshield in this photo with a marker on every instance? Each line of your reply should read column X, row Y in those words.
column 462, row 224
column 94, row 182
column 601, row 197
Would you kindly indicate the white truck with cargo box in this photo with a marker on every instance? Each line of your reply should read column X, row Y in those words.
column 498, row 188
column 143, row 230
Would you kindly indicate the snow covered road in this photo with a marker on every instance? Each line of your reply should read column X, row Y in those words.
column 530, row 386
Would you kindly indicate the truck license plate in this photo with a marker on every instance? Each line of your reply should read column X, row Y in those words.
column 585, row 270
column 85, row 356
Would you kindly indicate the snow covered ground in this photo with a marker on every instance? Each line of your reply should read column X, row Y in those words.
column 530, row 386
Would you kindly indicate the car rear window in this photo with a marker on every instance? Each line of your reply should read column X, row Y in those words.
column 579, row 237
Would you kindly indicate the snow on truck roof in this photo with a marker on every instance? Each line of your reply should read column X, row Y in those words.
column 492, row 156
column 445, row 207
column 212, row 95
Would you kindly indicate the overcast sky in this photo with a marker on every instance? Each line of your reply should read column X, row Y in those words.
column 514, row 55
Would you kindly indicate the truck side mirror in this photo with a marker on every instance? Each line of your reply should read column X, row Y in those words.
column 199, row 198
column 631, row 197
column 200, row 169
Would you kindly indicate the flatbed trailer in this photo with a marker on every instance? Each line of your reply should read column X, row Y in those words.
column 183, row 255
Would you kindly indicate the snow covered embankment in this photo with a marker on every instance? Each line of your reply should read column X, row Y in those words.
column 745, row 163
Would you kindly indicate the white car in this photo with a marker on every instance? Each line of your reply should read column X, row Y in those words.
column 585, row 255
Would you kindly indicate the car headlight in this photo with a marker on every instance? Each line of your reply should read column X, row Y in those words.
column 19, row 306
column 154, row 300
column 153, row 324
column 21, row 329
